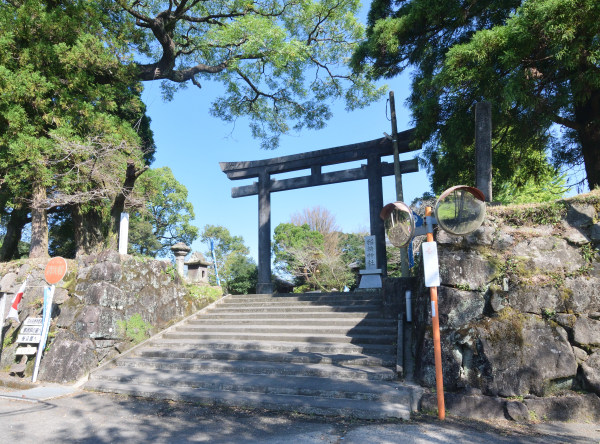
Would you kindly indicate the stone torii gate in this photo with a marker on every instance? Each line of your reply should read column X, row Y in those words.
column 375, row 169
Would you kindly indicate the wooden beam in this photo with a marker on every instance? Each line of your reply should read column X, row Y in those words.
column 387, row 169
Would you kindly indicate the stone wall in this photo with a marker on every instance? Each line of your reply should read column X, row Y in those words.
column 519, row 303
column 102, row 304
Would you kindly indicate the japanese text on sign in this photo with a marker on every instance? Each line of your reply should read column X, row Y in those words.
column 370, row 253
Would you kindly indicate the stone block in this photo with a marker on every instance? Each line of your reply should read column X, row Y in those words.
column 105, row 294
column 580, row 354
column 580, row 214
column 586, row 331
column 98, row 323
column 105, row 271
column 517, row 411
column 69, row 359
column 523, row 354
column 583, row 294
column 467, row 406
column 549, row 254
column 536, row 299
column 8, row 284
column 591, row 372
column 61, row 295
column 574, row 235
column 484, row 235
column 595, row 232
column 572, row 407
column 465, row 268
column 458, row 308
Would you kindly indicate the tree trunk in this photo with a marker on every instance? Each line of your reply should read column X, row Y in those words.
column 14, row 228
column 89, row 238
column 39, row 223
column 587, row 116
column 118, row 206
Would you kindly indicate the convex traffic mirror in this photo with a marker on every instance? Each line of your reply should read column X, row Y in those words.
column 460, row 210
column 399, row 223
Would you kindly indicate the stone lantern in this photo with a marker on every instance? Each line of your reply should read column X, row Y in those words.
column 180, row 250
column 198, row 268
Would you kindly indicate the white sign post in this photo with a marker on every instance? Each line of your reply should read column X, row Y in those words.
column 46, row 316
column 123, row 233
column 55, row 271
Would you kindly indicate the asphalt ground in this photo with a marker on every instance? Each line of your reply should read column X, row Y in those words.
column 67, row 414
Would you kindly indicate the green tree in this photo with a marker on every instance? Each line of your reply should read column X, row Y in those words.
column 164, row 216
column 280, row 62
column 237, row 271
column 242, row 275
column 62, row 80
column 304, row 254
column 535, row 61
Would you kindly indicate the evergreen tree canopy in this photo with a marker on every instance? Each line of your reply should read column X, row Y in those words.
column 164, row 217
column 536, row 61
column 62, row 84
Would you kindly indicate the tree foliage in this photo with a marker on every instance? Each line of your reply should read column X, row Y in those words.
column 315, row 253
column 237, row 270
column 62, row 82
column 164, row 216
column 280, row 62
column 536, row 61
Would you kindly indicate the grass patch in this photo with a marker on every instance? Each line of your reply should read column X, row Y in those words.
column 135, row 328
column 204, row 292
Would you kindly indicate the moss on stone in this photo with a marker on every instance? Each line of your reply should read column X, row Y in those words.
column 134, row 328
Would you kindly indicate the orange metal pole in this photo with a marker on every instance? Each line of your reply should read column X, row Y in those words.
column 437, row 347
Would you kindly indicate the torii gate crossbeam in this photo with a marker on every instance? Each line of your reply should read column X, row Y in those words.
column 375, row 169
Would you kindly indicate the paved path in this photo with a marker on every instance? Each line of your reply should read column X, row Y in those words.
column 82, row 417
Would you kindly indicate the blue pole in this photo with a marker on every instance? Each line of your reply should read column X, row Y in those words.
column 212, row 251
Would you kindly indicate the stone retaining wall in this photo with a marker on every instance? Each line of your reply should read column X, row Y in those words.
column 519, row 303
column 101, row 307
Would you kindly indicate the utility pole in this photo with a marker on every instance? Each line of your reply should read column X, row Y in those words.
column 398, row 176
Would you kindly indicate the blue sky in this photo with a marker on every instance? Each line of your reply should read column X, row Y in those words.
column 192, row 143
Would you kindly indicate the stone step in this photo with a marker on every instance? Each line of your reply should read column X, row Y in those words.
column 285, row 308
column 302, row 404
column 316, row 297
column 288, row 337
column 294, row 357
column 239, row 314
column 278, row 346
column 266, row 384
column 276, row 321
column 262, row 368
column 327, row 354
column 296, row 302
column 321, row 330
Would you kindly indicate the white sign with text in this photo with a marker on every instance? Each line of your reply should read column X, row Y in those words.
column 430, row 264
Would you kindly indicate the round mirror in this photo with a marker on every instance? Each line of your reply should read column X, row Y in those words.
column 399, row 223
column 460, row 210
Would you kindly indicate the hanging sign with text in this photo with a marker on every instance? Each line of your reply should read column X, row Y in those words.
column 31, row 331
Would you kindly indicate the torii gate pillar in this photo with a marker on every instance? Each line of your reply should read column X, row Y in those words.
column 264, row 285
column 374, row 181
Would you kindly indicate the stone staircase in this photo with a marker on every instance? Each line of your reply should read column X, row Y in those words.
column 326, row 354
